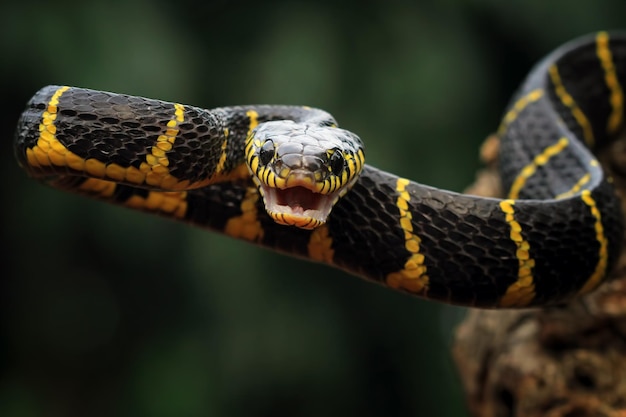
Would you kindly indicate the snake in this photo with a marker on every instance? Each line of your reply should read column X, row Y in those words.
column 289, row 179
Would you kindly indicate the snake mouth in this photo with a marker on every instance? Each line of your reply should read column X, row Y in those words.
column 298, row 206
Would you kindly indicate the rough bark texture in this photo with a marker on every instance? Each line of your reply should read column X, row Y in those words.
column 566, row 361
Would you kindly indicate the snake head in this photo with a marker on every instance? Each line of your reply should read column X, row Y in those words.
column 302, row 170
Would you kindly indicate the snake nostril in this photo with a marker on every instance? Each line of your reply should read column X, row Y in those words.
column 292, row 161
column 312, row 163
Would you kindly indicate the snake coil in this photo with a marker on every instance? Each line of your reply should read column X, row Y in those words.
column 555, row 236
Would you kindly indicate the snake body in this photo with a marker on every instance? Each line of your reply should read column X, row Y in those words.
column 556, row 235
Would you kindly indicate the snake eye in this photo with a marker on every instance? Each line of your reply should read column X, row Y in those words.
column 336, row 162
column 266, row 153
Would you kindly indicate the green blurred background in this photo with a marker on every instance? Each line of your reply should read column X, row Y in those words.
column 107, row 312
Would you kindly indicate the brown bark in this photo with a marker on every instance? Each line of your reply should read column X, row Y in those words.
column 566, row 361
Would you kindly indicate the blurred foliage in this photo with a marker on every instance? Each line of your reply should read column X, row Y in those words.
column 110, row 312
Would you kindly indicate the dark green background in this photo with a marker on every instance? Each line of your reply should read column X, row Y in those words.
column 107, row 312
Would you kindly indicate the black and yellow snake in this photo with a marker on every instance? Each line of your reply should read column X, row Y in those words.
column 555, row 236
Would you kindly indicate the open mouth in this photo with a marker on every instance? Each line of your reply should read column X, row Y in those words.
column 298, row 206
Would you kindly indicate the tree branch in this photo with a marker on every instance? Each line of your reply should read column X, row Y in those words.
column 566, row 361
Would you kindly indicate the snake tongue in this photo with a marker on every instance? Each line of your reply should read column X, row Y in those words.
column 298, row 206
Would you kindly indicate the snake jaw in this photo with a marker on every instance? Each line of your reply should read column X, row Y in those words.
column 298, row 206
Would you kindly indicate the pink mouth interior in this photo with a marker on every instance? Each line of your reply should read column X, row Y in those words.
column 299, row 199
column 299, row 202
